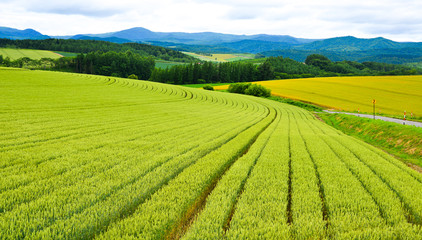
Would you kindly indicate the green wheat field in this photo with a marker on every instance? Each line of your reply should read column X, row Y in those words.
column 85, row 156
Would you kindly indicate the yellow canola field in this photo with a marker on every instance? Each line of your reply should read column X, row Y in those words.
column 393, row 94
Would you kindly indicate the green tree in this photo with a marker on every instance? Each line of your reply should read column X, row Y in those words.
column 258, row 90
column 318, row 60
column 208, row 87
column 265, row 71
column 132, row 76
column 238, row 87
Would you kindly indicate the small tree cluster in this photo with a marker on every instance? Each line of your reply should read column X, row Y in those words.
column 238, row 87
column 208, row 87
column 132, row 76
column 250, row 89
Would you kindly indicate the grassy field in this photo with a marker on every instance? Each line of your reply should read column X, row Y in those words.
column 66, row 54
column 166, row 64
column 239, row 57
column 393, row 94
column 14, row 54
column 84, row 156
column 222, row 57
column 200, row 85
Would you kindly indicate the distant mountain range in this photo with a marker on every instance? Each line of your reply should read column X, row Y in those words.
column 12, row 33
column 203, row 38
column 337, row 49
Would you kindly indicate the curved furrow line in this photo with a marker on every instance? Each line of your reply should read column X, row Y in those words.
column 80, row 198
column 306, row 209
column 64, row 137
column 151, row 134
column 179, row 229
column 170, row 168
column 216, row 213
column 389, row 202
column 45, row 123
column 70, row 132
column 343, row 194
column 209, row 163
column 152, row 121
column 141, row 134
column 411, row 206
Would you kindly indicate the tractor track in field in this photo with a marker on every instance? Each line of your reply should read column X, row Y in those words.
column 187, row 220
column 415, row 167
column 226, row 226
column 410, row 214
column 324, row 205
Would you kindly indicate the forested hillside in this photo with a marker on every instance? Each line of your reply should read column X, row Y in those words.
column 86, row 46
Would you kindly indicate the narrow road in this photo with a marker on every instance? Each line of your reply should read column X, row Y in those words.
column 388, row 119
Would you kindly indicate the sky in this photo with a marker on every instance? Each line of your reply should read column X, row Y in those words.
column 315, row 19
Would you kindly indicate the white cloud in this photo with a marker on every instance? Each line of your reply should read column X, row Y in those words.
column 398, row 20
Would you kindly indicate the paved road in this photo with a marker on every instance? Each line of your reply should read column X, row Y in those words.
column 388, row 119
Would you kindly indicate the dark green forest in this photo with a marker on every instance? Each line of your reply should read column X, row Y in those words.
column 115, row 64
column 100, row 63
column 392, row 56
column 209, row 72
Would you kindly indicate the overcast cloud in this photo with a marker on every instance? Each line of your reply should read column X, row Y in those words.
column 396, row 20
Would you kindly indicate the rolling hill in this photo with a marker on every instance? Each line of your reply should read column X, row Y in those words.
column 140, row 34
column 107, row 39
column 389, row 55
column 350, row 43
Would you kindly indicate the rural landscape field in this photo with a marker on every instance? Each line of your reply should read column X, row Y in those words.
column 15, row 54
column 393, row 94
column 87, row 156
column 218, row 57
column 210, row 120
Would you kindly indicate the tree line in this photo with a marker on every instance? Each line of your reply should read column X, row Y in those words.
column 208, row 72
column 274, row 68
column 111, row 63
column 352, row 68
column 115, row 64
